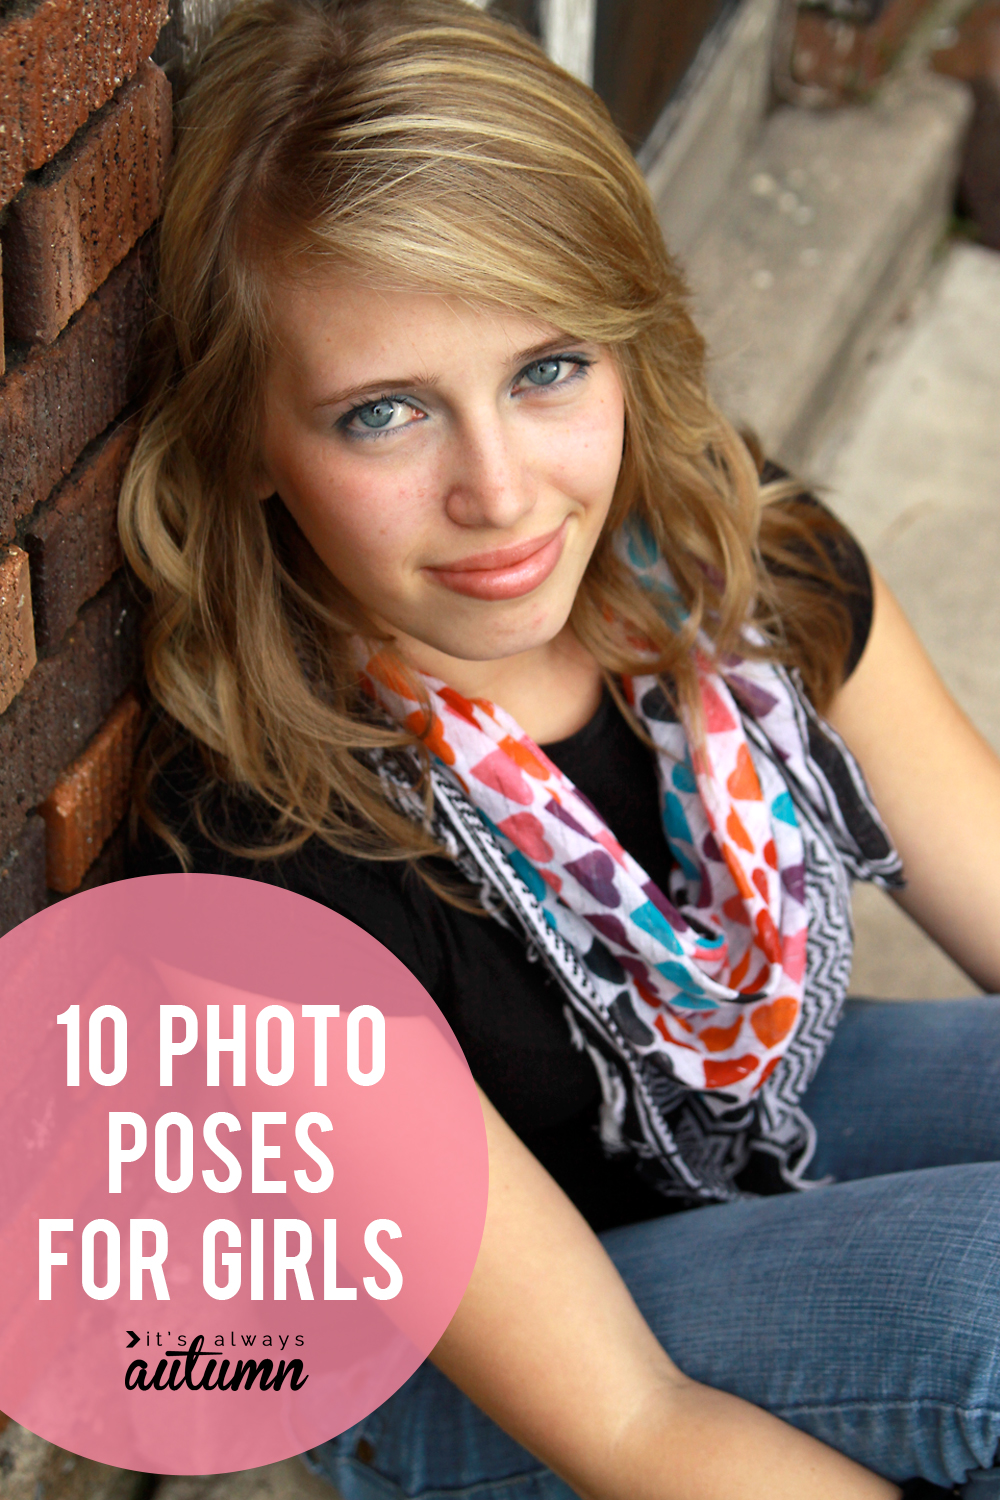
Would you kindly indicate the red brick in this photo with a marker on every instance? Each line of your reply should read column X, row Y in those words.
column 844, row 58
column 17, row 635
column 973, row 46
column 72, row 539
column 90, row 798
column 72, row 225
column 65, row 701
column 113, row 862
column 2, row 352
column 22, row 886
column 60, row 62
column 58, row 400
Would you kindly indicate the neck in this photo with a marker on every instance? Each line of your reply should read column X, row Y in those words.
column 551, row 691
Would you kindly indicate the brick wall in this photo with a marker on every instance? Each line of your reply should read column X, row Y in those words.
column 85, row 135
column 85, row 132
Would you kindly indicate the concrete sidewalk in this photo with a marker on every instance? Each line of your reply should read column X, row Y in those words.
column 915, row 473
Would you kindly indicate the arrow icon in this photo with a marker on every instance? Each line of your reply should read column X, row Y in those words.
column 133, row 1339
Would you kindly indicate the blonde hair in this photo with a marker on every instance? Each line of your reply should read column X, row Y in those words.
column 439, row 144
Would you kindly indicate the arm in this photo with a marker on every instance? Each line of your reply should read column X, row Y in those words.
column 937, row 784
column 548, row 1341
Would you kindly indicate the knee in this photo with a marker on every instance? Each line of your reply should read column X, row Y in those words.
column 941, row 1295
column 960, row 1273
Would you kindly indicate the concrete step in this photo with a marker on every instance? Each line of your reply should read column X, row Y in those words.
column 826, row 230
column 894, row 959
column 915, row 472
column 699, row 141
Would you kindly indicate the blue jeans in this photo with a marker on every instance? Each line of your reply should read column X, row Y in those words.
column 866, row 1312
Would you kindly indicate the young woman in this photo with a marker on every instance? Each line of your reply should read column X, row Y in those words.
column 470, row 618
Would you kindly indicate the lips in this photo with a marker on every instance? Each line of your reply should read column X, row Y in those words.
column 506, row 572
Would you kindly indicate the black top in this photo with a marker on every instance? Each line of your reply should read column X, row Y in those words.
column 506, row 1012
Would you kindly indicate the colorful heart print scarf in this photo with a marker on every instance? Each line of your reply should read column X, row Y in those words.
column 696, row 1004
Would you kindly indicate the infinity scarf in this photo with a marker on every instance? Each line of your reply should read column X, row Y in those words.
column 690, row 1001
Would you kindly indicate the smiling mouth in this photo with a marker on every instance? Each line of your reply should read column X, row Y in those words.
column 506, row 572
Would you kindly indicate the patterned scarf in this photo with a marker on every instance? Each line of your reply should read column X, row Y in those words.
column 705, row 1008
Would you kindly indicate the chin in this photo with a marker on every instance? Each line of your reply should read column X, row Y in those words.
column 489, row 651
column 484, row 638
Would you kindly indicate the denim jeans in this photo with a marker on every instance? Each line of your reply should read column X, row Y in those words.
column 866, row 1312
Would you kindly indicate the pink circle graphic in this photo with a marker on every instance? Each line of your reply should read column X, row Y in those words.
column 243, row 1178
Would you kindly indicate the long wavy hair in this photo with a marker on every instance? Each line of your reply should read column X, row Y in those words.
column 427, row 139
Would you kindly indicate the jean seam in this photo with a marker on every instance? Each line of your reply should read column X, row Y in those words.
column 487, row 1486
column 889, row 1402
column 448, row 1492
column 367, row 1471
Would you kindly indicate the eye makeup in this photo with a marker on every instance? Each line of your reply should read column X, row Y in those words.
column 353, row 424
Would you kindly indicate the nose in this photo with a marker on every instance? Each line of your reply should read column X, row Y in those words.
column 490, row 482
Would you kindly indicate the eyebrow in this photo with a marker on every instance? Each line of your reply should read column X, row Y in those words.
column 409, row 382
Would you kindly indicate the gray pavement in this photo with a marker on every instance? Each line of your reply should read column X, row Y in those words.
column 289, row 1480
column 915, row 472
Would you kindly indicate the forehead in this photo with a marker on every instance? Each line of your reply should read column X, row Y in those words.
column 343, row 324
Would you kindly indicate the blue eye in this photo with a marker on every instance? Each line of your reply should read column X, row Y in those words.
column 544, row 371
column 558, row 370
column 387, row 414
column 379, row 414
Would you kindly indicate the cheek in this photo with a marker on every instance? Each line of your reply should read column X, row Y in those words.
column 586, row 455
column 356, row 515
